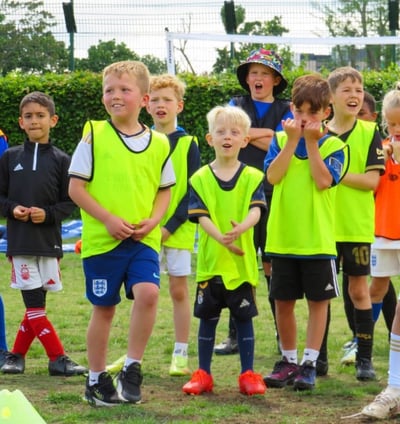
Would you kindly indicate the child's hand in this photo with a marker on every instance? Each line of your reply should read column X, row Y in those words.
column 234, row 249
column 396, row 150
column 22, row 213
column 312, row 132
column 164, row 234
column 233, row 234
column 292, row 128
column 38, row 215
column 143, row 228
column 118, row 228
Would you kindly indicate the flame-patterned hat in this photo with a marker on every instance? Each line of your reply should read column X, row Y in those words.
column 265, row 57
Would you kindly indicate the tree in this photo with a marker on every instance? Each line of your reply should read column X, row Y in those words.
column 27, row 45
column 107, row 52
column 103, row 54
column 156, row 66
column 358, row 18
column 226, row 61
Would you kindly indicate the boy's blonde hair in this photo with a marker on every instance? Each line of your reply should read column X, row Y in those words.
column 135, row 69
column 390, row 101
column 342, row 74
column 232, row 114
column 168, row 81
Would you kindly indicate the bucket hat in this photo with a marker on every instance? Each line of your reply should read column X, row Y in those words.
column 265, row 57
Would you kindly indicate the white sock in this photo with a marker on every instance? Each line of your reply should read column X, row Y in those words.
column 181, row 349
column 94, row 377
column 394, row 361
column 290, row 355
column 129, row 361
column 310, row 355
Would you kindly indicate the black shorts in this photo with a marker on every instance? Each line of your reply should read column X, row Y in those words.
column 212, row 297
column 294, row 278
column 355, row 257
column 260, row 233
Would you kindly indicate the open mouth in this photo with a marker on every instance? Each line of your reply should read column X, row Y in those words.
column 352, row 105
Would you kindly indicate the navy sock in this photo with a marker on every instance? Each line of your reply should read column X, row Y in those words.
column 245, row 332
column 205, row 340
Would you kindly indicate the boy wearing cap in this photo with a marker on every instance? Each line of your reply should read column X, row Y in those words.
column 261, row 76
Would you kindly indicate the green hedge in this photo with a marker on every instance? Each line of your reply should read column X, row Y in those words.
column 78, row 98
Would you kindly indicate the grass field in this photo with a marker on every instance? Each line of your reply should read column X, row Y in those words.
column 59, row 399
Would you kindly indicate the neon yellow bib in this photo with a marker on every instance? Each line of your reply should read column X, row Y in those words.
column 124, row 182
column 184, row 236
column 301, row 220
column 223, row 206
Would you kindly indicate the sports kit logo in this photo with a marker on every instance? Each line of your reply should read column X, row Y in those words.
column 25, row 272
column 99, row 286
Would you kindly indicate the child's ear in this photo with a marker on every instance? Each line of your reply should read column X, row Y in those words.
column 246, row 141
column 53, row 121
column 209, row 139
column 181, row 105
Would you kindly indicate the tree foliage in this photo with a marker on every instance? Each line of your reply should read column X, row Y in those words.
column 358, row 18
column 27, row 44
column 107, row 52
column 103, row 54
column 229, row 59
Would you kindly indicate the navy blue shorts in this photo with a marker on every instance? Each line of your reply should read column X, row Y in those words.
column 129, row 263
column 212, row 297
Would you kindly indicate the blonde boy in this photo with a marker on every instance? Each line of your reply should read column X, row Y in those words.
column 227, row 261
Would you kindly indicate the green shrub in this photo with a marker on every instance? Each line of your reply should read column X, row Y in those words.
column 78, row 98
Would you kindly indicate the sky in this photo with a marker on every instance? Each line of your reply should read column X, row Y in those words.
column 141, row 24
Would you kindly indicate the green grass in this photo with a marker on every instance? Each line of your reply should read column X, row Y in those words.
column 59, row 400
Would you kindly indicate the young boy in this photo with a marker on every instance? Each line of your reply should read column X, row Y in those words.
column 304, row 165
column 34, row 199
column 120, row 178
column 178, row 233
column 226, row 199
column 388, row 304
column 261, row 76
column 3, row 338
column 387, row 248
column 355, row 230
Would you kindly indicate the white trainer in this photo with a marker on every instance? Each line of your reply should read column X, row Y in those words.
column 385, row 405
column 349, row 357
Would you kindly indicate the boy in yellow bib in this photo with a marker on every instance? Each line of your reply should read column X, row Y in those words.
column 227, row 199
column 166, row 102
column 121, row 176
column 304, row 165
